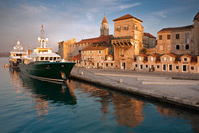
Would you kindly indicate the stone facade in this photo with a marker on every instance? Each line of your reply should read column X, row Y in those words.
column 93, row 57
column 149, row 41
column 127, row 40
column 65, row 49
column 104, row 29
column 167, row 63
column 179, row 40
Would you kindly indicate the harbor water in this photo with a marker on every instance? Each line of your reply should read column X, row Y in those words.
column 30, row 105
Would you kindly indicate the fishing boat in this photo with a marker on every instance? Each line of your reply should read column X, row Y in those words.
column 16, row 55
column 44, row 64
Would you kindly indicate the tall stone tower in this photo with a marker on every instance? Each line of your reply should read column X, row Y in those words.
column 196, row 34
column 104, row 30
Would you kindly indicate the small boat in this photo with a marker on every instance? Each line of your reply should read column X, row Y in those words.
column 44, row 64
column 16, row 55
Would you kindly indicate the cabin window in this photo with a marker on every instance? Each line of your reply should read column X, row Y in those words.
column 46, row 58
column 51, row 58
column 54, row 58
column 42, row 58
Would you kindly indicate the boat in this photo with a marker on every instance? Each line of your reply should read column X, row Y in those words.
column 44, row 64
column 16, row 55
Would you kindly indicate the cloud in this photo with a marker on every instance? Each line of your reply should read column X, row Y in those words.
column 160, row 14
column 129, row 5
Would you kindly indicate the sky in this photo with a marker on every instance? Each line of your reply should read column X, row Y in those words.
column 81, row 19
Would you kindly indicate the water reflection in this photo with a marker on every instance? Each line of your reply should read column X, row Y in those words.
column 128, row 111
column 43, row 92
column 191, row 117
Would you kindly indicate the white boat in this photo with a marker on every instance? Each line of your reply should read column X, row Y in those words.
column 16, row 55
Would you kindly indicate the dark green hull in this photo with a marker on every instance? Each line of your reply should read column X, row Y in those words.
column 54, row 71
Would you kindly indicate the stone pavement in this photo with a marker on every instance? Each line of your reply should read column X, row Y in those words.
column 157, row 85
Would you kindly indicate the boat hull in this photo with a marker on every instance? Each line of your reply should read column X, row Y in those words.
column 54, row 71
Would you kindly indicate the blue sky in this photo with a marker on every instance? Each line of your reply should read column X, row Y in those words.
column 80, row 19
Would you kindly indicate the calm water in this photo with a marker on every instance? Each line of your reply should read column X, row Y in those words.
column 28, row 105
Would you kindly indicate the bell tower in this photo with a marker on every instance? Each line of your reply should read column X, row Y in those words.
column 104, row 29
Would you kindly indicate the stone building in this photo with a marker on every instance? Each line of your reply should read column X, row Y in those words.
column 179, row 40
column 167, row 63
column 149, row 41
column 127, row 40
column 93, row 57
column 102, row 40
column 104, row 29
column 64, row 48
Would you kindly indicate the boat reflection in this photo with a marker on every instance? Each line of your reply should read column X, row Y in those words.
column 43, row 93
column 56, row 93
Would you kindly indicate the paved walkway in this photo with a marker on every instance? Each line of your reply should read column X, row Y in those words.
column 156, row 85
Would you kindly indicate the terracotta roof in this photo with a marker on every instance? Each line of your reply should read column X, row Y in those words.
column 197, row 16
column 193, row 60
column 94, row 48
column 149, row 35
column 104, row 20
column 143, row 55
column 187, row 55
column 97, row 39
column 127, row 16
column 176, row 28
column 77, row 57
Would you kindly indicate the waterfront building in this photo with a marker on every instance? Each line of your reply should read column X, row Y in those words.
column 93, row 57
column 179, row 40
column 167, row 63
column 127, row 40
column 65, row 50
column 149, row 41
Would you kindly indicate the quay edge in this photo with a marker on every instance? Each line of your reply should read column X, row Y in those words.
column 194, row 105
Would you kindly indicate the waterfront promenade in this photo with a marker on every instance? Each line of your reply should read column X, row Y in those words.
column 180, row 89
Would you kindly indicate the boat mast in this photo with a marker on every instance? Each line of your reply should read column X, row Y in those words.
column 43, row 41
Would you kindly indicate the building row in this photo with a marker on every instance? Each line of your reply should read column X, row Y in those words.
column 175, row 50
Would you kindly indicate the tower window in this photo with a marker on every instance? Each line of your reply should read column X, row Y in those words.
column 177, row 47
column 187, row 46
column 177, row 36
column 160, row 37
column 168, row 37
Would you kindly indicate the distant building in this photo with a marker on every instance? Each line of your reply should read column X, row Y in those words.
column 104, row 29
column 93, row 57
column 64, row 48
column 127, row 40
column 179, row 40
column 149, row 41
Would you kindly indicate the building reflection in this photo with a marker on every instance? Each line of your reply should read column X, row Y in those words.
column 14, row 76
column 192, row 118
column 128, row 111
